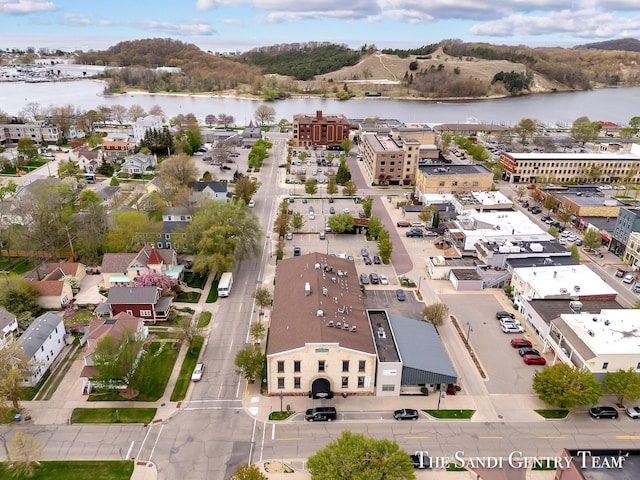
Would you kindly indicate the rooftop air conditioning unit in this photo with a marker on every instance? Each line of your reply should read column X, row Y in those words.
column 353, row 328
column 330, row 323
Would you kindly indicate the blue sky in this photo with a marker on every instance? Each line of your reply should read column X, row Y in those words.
column 239, row 25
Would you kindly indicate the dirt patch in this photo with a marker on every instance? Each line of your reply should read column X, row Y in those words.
column 277, row 467
column 472, row 354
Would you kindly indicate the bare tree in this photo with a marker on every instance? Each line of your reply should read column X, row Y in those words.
column 135, row 112
column 210, row 119
column 265, row 115
column 157, row 111
column 25, row 453
column 119, row 113
column 31, row 111
column 435, row 313
column 226, row 120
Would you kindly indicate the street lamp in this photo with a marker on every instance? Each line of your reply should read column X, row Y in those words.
column 469, row 330
column 281, row 396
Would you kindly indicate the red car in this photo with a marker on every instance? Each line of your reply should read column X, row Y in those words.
column 534, row 360
column 403, row 223
column 520, row 343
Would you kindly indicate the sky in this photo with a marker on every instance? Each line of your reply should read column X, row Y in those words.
column 240, row 25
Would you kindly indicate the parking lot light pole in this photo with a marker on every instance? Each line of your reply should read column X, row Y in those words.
column 469, row 330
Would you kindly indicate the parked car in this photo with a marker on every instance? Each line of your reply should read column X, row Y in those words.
column 512, row 328
column 520, row 343
column 198, row 372
column 361, row 214
column 377, row 260
column 633, row 412
column 291, row 199
column 415, row 233
column 503, row 314
column 332, row 210
column 384, row 280
column 628, row 279
column 323, row 236
column 364, row 279
column 603, row 412
column 417, row 224
column 528, row 351
column 367, row 260
column 296, row 251
column 620, row 273
column 320, row 414
column 252, row 203
column 364, row 252
column 636, row 288
column 289, row 236
column 534, row 360
column 430, row 233
column 403, row 224
column 406, row 414
column 400, row 295
column 374, row 279
column 509, row 321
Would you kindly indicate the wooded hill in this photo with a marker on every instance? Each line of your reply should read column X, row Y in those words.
column 449, row 69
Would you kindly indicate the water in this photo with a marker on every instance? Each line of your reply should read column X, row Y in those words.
column 613, row 105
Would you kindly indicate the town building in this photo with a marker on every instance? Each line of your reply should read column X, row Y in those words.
column 319, row 129
column 632, row 252
column 628, row 221
column 250, row 135
column 570, row 167
column 440, row 179
column 12, row 133
column 114, row 150
column 41, row 343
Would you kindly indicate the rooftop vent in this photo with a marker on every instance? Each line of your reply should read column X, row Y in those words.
column 575, row 306
column 317, row 266
column 319, row 313
column 325, row 291
column 330, row 323
column 307, row 289
column 353, row 328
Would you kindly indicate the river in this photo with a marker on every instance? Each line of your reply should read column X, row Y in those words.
column 616, row 105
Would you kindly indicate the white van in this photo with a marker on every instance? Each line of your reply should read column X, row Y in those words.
column 225, row 284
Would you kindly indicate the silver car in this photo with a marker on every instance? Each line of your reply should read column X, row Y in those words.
column 633, row 412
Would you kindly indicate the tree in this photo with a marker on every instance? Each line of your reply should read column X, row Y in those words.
column 135, row 112
column 210, row 119
column 435, row 313
column 175, row 172
column 25, row 450
column 550, row 203
column 341, row 223
column 131, row 231
column 226, row 120
column 155, row 279
column 31, row 111
column 222, row 234
column 525, row 129
column 564, row 214
column 583, row 130
column 27, row 149
column 16, row 295
column 565, row 386
column 246, row 187
column 349, row 189
column 344, row 175
column 354, row 456
column 117, row 359
column 297, row 221
column 345, row 145
column 188, row 330
column 332, row 186
column 375, row 227
column 575, row 253
column 265, row 115
column 367, row 205
column 385, row 246
column 263, row 297
column 119, row 113
column 430, row 216
column 68, row 169
column 311, row 186
column 553, row 231
column 625, row 384
column 591, row 239
column 250, row 363
column 248, row 472
column 14, row 368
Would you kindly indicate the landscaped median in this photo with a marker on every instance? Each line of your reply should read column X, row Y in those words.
column 78, row 470
column 113, row 415
column 450, row 414
column 189, row 363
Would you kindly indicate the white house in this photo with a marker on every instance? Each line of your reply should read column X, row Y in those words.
column 42, row 342
column 8, row 327
column 138, row 163
column 142, row 125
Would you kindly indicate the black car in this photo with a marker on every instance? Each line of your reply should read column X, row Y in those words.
column 503, row 314
column 296, row 251
column 377, row 260
column 367, row 260
column 406, row 414
column 364, row 279
column 374, row 279
column 603, row 412
column 528, row 351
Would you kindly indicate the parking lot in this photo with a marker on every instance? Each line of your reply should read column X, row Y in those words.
column 506, row 371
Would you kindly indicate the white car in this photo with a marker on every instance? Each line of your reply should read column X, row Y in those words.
column 383, row 280
column 628, row 279
column 509, row 321
column 196, row 376
column 512, row 328
column 252, row 203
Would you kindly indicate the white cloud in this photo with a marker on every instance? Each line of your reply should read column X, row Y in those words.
column 75, row 20
column 211, row 4
column 233, row 21
column 24, row 7
column 198, row 27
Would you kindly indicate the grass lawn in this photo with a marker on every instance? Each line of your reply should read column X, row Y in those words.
column 280, row 415
column 195, row 279
column 553, row 413
column 451, row 414
column 158, row 364
column 188, row 297
column 213, row 293
column 78, row 470
column 18, row 265
column 190, row 360
column 29, row 393
column 204, row 319
column 113, row 415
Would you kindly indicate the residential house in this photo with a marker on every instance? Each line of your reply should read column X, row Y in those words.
column 42, row 342
column 99, row 328
column 120, row 269
column 89, row 160
column 58, row 270
column 174, row 219
column 53, row 293
column 8, row 327
column 108, row 194
column 315, row 130
column 142, row 302
column 138, row 164
column 204, row 191
column 143, row 125
column 115, row 150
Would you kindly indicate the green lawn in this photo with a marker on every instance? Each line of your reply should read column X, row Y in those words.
column 190, row 360
column 451, row 414
column 204, row 319
column 195, row 279
column 78, row 470
column 188, row 297
column 158, row 367
column 213, row 293
column 113, row 415
column 19, row 265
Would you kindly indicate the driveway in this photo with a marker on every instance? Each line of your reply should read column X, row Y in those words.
column 89, row 293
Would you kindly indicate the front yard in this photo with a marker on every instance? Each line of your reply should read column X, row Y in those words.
column 78, row 470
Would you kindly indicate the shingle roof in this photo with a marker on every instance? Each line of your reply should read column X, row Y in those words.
column 298, row 319
column 68, row 268
column 6, row 317
column 116, row 262
column 39, row 330
column 132, row 295
column 215, row 186
column 48, row 288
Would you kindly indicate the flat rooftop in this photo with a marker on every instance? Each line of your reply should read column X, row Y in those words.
column 454, row 170
column 551, row 309
column 578, row 280
column 609, row 332
column 573, row 156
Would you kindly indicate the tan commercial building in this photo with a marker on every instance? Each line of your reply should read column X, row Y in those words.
column 437, row 179
column 12, row 133
column 319, row 129
column 570, row 167
column 393, row 159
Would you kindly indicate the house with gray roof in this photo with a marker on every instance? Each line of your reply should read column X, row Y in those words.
column 142, row 302
column 42, row 342
column 203, row 191
column 8, row 326
column 121, row 269
column 138, row 164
